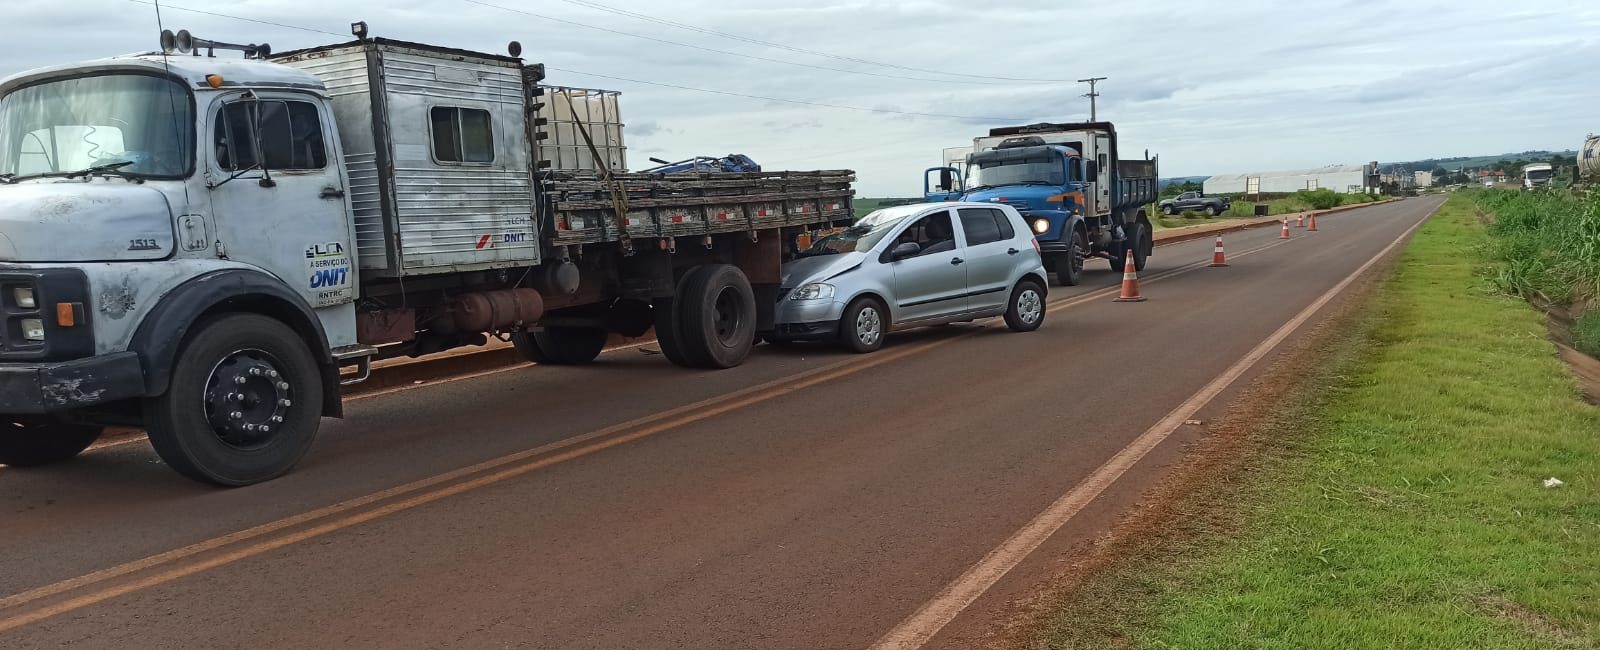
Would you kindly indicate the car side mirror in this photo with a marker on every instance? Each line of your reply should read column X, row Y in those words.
column 904, row 250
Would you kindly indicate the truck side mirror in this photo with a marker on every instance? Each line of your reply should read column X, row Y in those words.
column 946, row 179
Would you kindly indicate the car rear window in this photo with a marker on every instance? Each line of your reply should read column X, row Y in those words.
column 980, row 226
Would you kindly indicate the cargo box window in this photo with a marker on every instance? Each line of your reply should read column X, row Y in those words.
column 290, row 136
column 461, row 135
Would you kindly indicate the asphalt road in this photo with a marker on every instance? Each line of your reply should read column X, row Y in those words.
column 807, row 499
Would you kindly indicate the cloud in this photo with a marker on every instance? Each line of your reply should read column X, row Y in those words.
column 1212, row 88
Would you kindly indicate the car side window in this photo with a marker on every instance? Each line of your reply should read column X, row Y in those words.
column 1004, row 222
column 934, row 233
column 980, row 226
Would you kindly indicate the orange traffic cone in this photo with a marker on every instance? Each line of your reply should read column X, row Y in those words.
column 1285, row 233
column 1300, row 220
column 1216, row 254
column 1313, row 227
column 1130, row 281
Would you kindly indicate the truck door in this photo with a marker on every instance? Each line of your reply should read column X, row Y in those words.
column 278, row 193
column 1102, row 177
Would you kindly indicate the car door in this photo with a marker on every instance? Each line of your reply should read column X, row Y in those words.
column 989, row 255
column 933, row 283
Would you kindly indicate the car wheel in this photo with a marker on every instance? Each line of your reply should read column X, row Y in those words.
column 1025, row 313
column 1211, row 211
column 1168, row 210
column 244, row 404
column 34, row 440
column 863, row 325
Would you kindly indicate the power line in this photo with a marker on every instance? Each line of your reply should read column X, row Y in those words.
column 800, row 50
column 627, row 79
column 722, row 52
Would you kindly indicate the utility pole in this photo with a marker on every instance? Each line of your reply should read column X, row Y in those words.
column 1091, row 94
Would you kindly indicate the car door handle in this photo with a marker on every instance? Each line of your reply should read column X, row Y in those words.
column 1012, row 251
column 331, row 193
column 956, row 260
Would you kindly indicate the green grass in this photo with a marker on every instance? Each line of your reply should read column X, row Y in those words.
column 1405, row 509
column 1586, row 334
column 1548, row 243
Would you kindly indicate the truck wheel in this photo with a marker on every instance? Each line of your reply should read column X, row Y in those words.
column 863, row 325
column 1168, row 210
column 716, row 316
column 244, row 403
column 667, row 337
column 561, row 346
column 1211, row 211
column 34, row 440
column 1147, row 245
column 1025, row 312
column 1069, row 267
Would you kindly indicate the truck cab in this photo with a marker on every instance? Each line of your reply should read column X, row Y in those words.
column 1079, row 197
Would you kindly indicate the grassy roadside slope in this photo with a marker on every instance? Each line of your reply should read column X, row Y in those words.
column 1405, row 510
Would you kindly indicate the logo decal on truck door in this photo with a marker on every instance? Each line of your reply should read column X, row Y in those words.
column 328, row 274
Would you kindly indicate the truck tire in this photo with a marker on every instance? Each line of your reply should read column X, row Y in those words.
column 1147, row 246
column 863, row 325
column 667, row 337
column 1069, row 267
column 561, row 346
column 1168, row 210
column 1025, row 311
column 1211, row 211
column 34, row 440
column 244, row 404
column 716, row 316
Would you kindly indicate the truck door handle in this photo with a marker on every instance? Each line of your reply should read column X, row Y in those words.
column 956, row 260
column 331, row 193
column 1012, row 251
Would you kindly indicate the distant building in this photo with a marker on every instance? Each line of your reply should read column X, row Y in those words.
column 1423, row 179
column 1339, row 178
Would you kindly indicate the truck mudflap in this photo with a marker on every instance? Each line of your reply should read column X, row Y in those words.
column 49, row 387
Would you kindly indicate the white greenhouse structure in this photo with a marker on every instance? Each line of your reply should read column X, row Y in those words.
column 1339, row 178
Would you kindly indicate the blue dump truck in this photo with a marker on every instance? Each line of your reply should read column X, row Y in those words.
column 1069, row 181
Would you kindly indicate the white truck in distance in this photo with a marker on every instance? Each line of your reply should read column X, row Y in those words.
column 210, row 247
column 1537, row 175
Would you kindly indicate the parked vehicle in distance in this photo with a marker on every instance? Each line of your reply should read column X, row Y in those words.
column 1537, row 175
column 1080, row 196
column 912, row 266
column 1589, row 160
column 1210, row 205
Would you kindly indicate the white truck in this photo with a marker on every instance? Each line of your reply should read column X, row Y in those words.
column 209, row 247
column 1537, row 175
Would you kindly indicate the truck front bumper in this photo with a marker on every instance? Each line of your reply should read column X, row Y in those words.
column 49, row 387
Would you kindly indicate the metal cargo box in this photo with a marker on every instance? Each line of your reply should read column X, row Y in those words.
column 432, row 192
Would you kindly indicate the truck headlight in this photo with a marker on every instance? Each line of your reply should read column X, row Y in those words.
column 24, row 297
column 1041, row 226
column 33, row 329
column 813, row 291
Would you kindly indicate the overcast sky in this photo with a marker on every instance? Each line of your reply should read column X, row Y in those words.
column 1213, row 87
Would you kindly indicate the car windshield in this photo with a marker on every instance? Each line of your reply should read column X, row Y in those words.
column 1045, row 171
column 859, row 237
column 133, row 124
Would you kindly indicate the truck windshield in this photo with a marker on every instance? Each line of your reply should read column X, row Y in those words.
column 860, row 237
column 1539, row 174
column 131, row 124
column 1036, row 171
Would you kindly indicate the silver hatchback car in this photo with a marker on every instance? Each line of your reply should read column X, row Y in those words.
column 911, row 266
